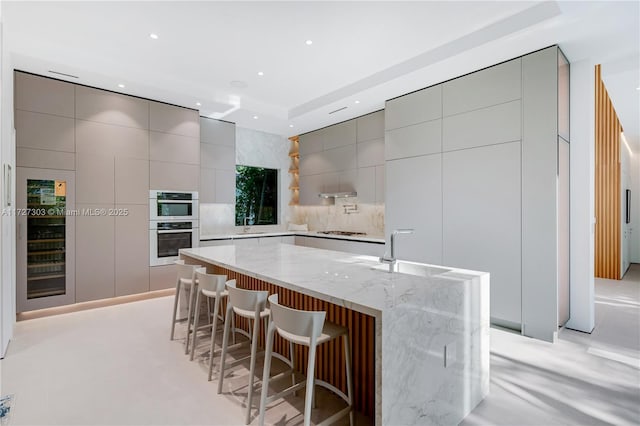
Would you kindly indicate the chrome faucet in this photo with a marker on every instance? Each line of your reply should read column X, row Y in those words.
column 246, row 227
column 391, row 260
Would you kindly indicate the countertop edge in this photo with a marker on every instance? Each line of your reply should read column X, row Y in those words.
column 311, row 234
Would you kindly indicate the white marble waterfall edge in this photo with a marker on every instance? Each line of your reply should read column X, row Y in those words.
column 416, row 314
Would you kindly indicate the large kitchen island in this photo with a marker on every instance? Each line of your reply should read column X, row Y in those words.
column 420, row 334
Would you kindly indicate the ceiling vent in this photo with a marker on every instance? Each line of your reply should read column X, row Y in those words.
column 63, row 74
column 339, row 109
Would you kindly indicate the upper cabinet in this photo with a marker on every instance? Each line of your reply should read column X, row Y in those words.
column 344, row 157
column 173, row 119
column 111, row 108
column 44, row 95
column 490, row 86
column 417, row 107
column 217, row 161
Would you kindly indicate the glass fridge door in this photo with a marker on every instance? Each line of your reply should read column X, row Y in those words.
column 45, row 238
column 46, row 254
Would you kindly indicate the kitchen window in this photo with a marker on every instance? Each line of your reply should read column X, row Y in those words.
column 256, row 196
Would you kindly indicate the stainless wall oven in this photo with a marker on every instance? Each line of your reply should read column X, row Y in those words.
column 169, row 205
column 166, row 238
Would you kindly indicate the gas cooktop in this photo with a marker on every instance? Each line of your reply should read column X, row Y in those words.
column 345, row 233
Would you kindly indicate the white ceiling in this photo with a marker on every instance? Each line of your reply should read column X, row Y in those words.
column 361, row 51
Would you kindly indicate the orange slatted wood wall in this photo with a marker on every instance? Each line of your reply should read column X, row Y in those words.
column 607, row 162
column 330, row 356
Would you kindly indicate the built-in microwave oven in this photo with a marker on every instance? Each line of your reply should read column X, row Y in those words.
column 166, row 238
column 173, row 205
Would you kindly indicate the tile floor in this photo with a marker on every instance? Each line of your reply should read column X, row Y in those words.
column 115, row 365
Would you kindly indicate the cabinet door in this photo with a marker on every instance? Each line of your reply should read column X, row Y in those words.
column 415, row 202
column 95, row 257
column 132, row 250
column 310, row 187
column 173, row 119
column 45, row 243
column 417, row 107
column 45, row 95
column 482, row 220
column 162, row 277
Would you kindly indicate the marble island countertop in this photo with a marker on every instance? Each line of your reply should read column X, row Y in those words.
column 315, row 234
column 431, row 322
column 355, row 281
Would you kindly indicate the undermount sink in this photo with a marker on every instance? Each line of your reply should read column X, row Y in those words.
column 413, row 268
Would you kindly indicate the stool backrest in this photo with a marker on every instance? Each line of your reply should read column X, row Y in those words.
column 210, row 282
column 247, row 300
column 186, row 271
column 293, row 321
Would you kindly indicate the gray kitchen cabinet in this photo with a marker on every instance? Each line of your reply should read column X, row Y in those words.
column 371, row 152
column 370, row 126
column 162, row 277
column 266, row 241
column 347, row 246
column 310, row 187
column 339, row 135
column 40, row 159
column 207, row 193
column 131, row 250
column 225, row 183
column 95, row 177
column 414, row 140
column 339, row 159
column 131, row 181
column 173, row 176
column 214, row 243
column 246, row 242
column 44, row 131
column 173, row 148
column 44, row 95
column 366, row 184
column 111, row 108
column 380, row 184
column 311, row 142
column 313, row 164
column 487, row 126
column 111, row 140
column 414, row 200
column 490, row 86
column 220, row 157
column 348, row 180
column 95, row 254
column 288, row 239
column 413, row 108
column 173, row 119
column 482, row 220
column 217, row 132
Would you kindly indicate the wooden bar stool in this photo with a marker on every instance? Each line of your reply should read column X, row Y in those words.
column 306, row 328
column 186, row 277
column 213, row 288
column 252, row 305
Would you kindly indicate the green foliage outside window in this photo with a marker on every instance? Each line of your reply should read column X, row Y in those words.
column 256, row 196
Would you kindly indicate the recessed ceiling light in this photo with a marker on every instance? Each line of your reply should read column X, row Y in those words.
column 121, row 86
column 290, row 125
column 198, row 103
column 637, row 88
column 357, row 102
column 260, row 73
column 153, row 36
column 309, row 42
column 255, row 117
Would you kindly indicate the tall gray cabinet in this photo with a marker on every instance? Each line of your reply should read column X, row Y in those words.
column 472, row 165
column 118, row 147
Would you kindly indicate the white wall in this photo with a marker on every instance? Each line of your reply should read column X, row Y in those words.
column 7, row 223
column 258, row 149
column 582, row 189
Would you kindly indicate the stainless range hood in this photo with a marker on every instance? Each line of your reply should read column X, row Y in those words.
column 338, row 194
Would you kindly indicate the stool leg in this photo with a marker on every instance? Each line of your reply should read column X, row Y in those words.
column 252, row 369
column 225, row 336
column 175, row 309
column 268, row 347
column 193, row 288
column 209, row 310
column 214, row 327
column 196, row 323
column 347, row 363
column 310, row 382
column 292, row 358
